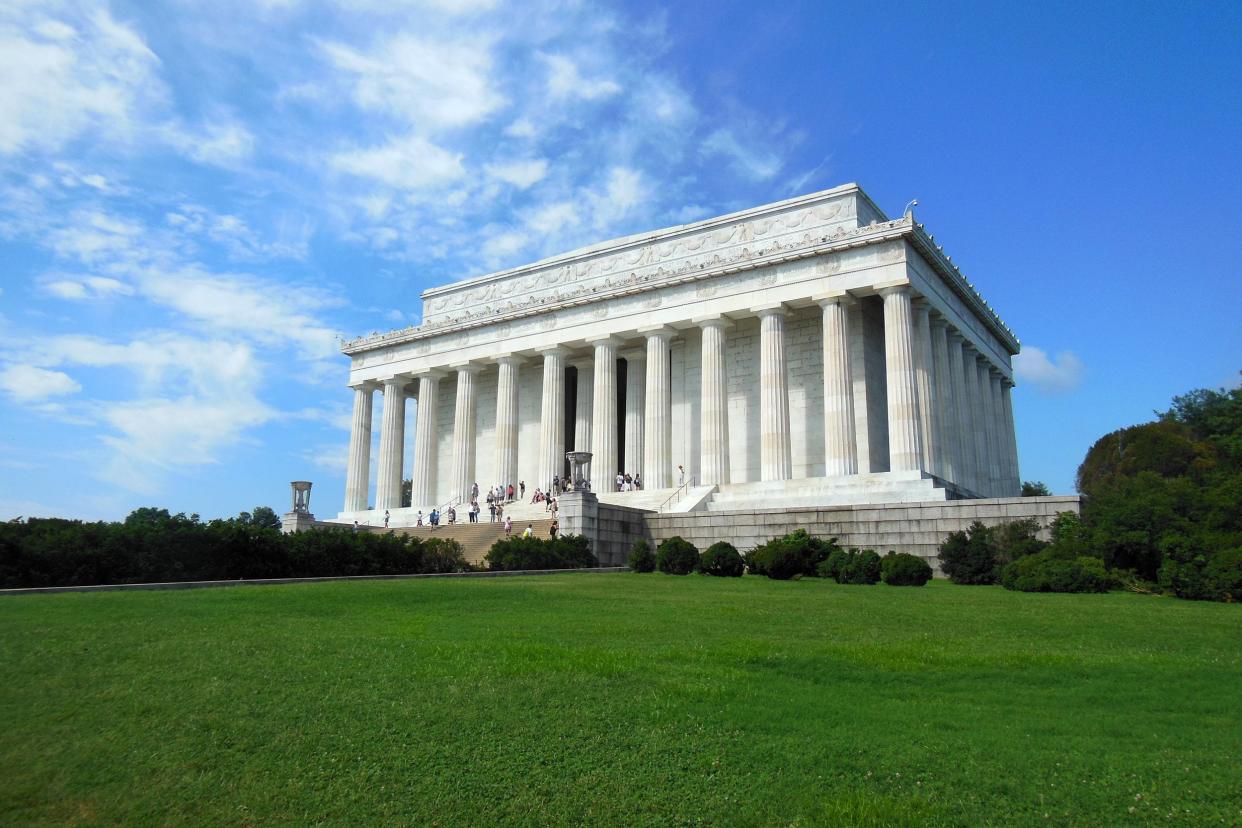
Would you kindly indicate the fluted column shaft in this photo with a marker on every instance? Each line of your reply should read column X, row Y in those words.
column 714, row 405
column 551, row 419
column 635, row 410
column 987, row 432
column 840, row 440
column 658, row 412
column 582, row 411
column 392, row 445
column 905, row 445
column 925, row 384
column 1015, row 475
column 964, row 458
column 423, row 475
column 507, row 421
column 1000, row 447
column 604, row 418
column 463, row 433
column 974, row 422
column 358, row 473
column 774, row 452
column 946, row 403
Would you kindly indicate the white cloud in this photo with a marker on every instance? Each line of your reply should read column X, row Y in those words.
column 59, row 82
column 223, row 143
column 28, row 383
column 521, row 174
column 755, row 164
column 1049, row 375
column 410, row 163
column 428, row 82
column 82, row 288
column 565, row 81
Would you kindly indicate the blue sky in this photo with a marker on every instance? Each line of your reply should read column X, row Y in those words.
column 197, row 199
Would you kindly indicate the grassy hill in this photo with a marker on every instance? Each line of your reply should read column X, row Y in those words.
column 616, row 700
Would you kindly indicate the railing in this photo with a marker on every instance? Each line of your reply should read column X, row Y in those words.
column 678, row 494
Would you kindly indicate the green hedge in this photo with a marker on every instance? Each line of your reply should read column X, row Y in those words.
column 642, row 559
column 857, row 566
column 722, row 559
column 794, row 555
column 562, row 552
column 153, row 546
column 677, row 556
column 903, row 569
column 1049, row 571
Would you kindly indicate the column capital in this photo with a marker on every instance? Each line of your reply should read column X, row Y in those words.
column 467, row 367
column 658, row 330
column 712, row 320
column 553, row 350
column 1007, row 383
column 397, row 382
column 610, row 339
column 510, row 359
column 769, row 309
column 431, row 374
column 938, row 321
column 894, row 288
column 365, row 385
column 834, row 297
column 581, row 362
column 955, row 335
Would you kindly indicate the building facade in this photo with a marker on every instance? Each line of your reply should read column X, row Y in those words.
column 805, row 353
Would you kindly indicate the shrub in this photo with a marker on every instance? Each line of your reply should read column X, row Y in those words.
column 969, row 557
column 792, row 555
column 858, row 566
column 1201, row 577
column 1050, row 571
column 562, row 552
column 677, row 556
column 642, row 559
column 903, row 569
column 722, row 559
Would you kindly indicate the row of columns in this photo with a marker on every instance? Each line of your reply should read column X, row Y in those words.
column 949, row 410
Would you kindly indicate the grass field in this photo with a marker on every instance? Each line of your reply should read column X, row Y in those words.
column 618, row 699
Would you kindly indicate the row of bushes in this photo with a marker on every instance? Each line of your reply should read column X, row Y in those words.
column 562, row 552
column 795, row 555
column 152, row 546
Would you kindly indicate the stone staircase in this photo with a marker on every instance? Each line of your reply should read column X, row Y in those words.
column 475, row 538
column 881, row 487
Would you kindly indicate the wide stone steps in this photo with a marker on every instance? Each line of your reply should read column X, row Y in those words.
column 883, row 487
column 475, row 538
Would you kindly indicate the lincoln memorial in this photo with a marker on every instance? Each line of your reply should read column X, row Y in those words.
column 806, row 353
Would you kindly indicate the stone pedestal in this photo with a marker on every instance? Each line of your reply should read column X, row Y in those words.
column 296, row 522
column 579, row 514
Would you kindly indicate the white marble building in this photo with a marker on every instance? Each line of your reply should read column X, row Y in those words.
column 805, row 353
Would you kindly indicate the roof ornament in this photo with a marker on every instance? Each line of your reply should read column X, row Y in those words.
column 909, row 209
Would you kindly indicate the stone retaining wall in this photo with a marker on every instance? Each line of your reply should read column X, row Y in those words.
column 917, row 528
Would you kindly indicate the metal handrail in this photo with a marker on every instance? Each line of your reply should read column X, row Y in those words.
column 677, row 493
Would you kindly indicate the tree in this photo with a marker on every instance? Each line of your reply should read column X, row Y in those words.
column 407, row 492
column 1035, row 488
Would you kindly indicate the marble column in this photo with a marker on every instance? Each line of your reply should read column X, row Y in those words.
column 507, row 420
column 973, row 420
column 358, row 473
column 987, row 430
column 964, row 459
column 840, row 439
column 905, row 444
column 658, row 411
column 423, row 475
column 582, row 409
column 392, row 445
column 774, row 451
column 1015, row 474
column 925, row 385
column 714, row 405
column 604, row 417
column 635, row 394
column 464, row 433
column 1000, row 445
column 552, row 419
column 946, row 402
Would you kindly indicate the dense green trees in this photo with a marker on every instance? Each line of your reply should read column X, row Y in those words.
column 561, row 552
column 152, row 545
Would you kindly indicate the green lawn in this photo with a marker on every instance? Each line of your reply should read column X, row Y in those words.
column 617, row 699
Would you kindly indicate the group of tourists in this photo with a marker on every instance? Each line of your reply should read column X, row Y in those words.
column 627, row 482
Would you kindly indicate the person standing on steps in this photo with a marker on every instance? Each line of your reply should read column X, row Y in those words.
column 385, row 518
column 508, row 526
column 530, row 531
column 681, row 475
column 420, row 518
column 522, row 487
column 474, row 491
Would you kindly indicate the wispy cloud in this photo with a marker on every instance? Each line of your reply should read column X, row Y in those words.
column 1051, row 375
